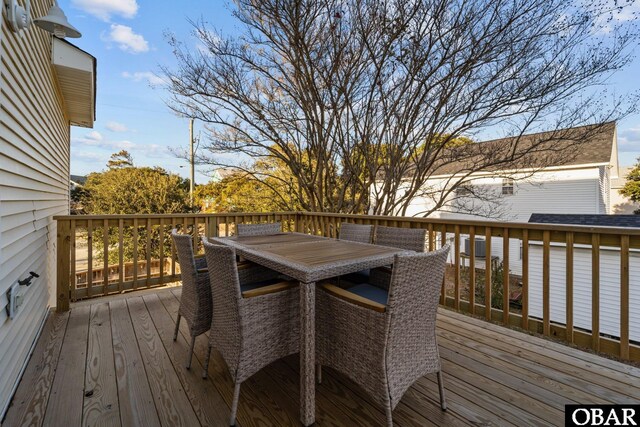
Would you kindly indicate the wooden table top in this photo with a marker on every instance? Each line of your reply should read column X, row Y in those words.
column 275, row 239
column 310, row 258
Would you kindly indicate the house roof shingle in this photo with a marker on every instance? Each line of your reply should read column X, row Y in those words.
column 588, row 144
column 632, row 221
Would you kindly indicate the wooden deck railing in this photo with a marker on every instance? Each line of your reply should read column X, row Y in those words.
column 473, row 284
column 136, row 250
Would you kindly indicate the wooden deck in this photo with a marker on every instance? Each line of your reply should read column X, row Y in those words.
column 113, row 362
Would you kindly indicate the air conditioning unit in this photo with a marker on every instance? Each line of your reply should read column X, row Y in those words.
column 481, row 247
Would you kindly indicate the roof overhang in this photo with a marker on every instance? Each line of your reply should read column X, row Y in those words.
column 76, row 73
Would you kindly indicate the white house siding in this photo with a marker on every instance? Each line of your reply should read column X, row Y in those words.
column 562, row 191
column 34, row 186
column 620, row 204
column 605, row 190
column 609, row 288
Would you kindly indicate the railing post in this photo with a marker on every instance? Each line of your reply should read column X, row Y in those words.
column 595, row 292
column 298, row 220
column 569, row 289
column 63, row 270
column 624, row 297
column 546, row 279
column 488, row 281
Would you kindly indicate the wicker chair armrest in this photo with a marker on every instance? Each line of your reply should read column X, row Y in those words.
column 345, row 295
column 202, row 270
column 269, row 289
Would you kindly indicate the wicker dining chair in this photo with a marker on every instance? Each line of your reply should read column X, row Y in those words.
column 356, row 232
column 251, row 328
column 385, row 341
column 412, row 239
column 258, row 229
column 195, row 301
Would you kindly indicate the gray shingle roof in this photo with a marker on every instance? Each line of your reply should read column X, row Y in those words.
column 580, row 219
column 563, row 147
column 79, row 179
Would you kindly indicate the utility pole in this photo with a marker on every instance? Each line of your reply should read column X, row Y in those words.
column 192, row 177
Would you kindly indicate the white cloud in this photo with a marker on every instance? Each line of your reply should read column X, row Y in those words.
column 89, row 156
column 95, row 139
column 104, row 9
column 151, row 78
column 610, row 14
column 629, row 140
column 94, row 135
column 154, row 151
column 116, row 127
column 126, row 39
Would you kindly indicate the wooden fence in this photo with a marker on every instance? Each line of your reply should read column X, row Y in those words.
column 473, row 300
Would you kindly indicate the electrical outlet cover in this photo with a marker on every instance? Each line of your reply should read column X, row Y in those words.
column 13, row 301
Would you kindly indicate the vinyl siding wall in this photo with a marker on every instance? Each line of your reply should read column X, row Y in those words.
column 34, row 186
column 571, row 191
column 605, row 190
column 609, row 288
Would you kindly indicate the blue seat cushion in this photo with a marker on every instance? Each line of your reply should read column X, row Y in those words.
column 201, row 263
column 370, row 292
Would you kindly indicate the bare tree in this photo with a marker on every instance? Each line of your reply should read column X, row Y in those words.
column 363, row 100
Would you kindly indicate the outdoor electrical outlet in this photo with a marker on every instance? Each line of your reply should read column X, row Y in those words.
column 15, row 300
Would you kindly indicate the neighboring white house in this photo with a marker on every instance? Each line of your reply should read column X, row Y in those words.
column 76, row 181
column 47, row 85
column 621, row 205
column 581, row 185
column 609, row 277
column 583, row 191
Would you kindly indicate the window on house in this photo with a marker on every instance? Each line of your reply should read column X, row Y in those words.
column 507, row 186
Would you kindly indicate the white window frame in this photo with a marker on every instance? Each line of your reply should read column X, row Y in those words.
column 508, row 186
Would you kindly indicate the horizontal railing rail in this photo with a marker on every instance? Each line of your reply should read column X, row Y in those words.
column 574, row 283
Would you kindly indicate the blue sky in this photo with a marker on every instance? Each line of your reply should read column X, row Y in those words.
column 127, row 38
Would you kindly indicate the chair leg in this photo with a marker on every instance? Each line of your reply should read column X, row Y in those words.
column 318, row 373
column 443, row 402
column 175, row 333
column 389, row 415
column 193, row 344
column 206, row 363
column 234, row 404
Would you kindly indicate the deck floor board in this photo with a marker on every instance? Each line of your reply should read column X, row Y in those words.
column 122, row 351
column 30, row 401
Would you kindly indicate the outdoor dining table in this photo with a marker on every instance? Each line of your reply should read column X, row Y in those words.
column 308, row 259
